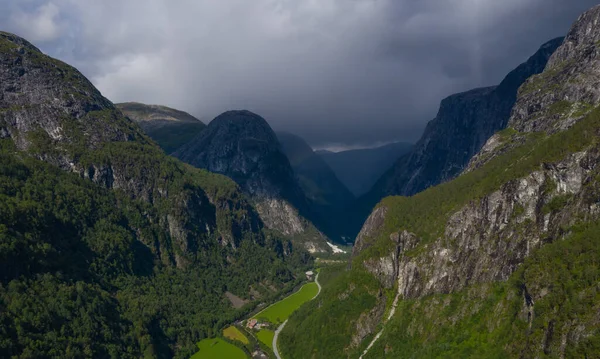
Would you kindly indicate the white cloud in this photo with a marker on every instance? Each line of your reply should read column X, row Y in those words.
column 332, row 71
column 40, row 25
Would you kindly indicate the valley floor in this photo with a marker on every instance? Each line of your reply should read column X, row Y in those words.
column 277, row 314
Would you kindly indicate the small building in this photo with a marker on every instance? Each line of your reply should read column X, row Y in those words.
column 260, row 326
column 309, row 275
column 251, row 323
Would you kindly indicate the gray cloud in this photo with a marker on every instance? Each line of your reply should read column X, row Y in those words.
column 342, row 72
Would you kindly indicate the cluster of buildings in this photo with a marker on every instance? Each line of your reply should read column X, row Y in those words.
column 255, row 324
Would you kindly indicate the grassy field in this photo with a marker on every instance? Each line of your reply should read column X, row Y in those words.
column 266, row 336
column 218, row 348
column 280, row 311
column 234, row 333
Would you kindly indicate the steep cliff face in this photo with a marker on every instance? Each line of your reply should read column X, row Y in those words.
column 170, row 128
column 464, row 123
column 242, row 146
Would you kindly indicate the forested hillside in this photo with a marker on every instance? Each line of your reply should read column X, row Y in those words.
column 108, row 247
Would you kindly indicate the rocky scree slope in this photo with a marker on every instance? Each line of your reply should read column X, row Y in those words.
column 328, row 196
column 242, row 146
column 499, row 261
column 108, row 247
column 170, row 128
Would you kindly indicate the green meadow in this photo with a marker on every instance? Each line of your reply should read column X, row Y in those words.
column 218, row 348
column 234, row 333
column 280, row 311
column 266, row 337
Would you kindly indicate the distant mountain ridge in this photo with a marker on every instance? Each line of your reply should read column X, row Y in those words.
column 360, row 169
column 328, row 196
column 316, row 177
column 169, row 127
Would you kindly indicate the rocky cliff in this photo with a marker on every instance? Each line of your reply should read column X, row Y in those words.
column 242, row 146
column 462, row 126
column 170, row 128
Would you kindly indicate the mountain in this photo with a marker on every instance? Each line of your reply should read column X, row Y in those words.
column 316, row 178
column 242, row 146
column 360, row 169
column 499, row 262
column 328, row 197
column 170, row 128
column 463, row 124
column 108, row 247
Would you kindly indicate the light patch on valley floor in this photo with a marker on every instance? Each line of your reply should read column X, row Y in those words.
column 236, row 301
column 335, row 248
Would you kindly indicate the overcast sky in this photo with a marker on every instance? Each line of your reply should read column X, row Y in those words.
column 336, row 72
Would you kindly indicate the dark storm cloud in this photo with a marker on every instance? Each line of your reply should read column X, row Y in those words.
column 337, row 72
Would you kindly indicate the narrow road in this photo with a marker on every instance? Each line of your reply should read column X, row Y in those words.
column 275, row 339
column 275, row 350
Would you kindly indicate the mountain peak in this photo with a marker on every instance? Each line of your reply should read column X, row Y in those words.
column 242, row 146
column 569, row 86
column 583, row 37
column 7, row 37
column 245, row 123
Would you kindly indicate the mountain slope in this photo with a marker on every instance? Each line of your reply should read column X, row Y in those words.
column 108, row 247
column 170, row 128
column 464, row 123
column 360, row 169
column 242, row 146
column 495, row 263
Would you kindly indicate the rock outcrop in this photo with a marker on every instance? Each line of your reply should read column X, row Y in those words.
column 242, row 146
column 486, row 240
column 559, row 97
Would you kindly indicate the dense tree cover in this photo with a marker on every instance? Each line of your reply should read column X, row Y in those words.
column 344, row 296
column 173, row 136
column 77, row 278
